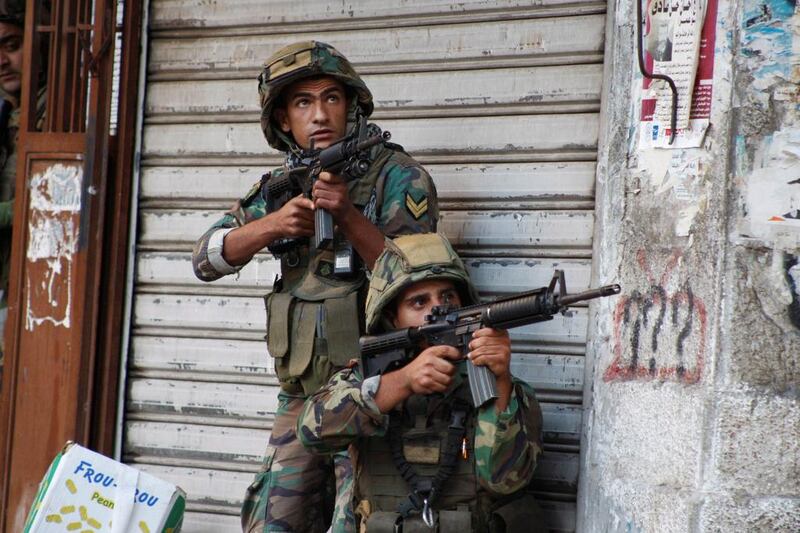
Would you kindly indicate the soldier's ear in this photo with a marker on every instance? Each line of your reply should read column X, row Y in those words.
column 282, row 118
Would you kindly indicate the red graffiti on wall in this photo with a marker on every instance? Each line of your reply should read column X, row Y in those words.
column 659, row 334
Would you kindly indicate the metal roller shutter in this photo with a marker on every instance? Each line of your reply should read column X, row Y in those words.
column 498, row 99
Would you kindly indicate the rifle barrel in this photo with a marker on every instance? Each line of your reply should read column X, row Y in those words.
column 371, row 141
column 606, row 290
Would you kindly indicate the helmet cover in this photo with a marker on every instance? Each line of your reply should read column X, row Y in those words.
column 410, row 259
column 307, row 59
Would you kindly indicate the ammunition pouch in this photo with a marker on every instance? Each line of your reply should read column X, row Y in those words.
column 313, row 329
column 520, row 514
column 455, row 521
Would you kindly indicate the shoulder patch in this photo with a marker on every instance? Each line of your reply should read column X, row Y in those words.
column 417, row 208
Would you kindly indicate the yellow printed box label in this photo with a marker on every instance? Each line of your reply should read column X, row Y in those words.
column 87, row 472
column 83, row 490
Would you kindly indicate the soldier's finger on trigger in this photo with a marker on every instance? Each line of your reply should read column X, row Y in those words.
column 435, row 380
column 306, row 209
column 444, row 366
column 437, row 350
column 442, row 380
column 451, row 352
column 447, row 367
column 301, row 216
column 300, row 202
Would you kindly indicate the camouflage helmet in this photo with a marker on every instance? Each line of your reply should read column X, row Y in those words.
column 305, row 60
column 407, row 260
column 13, row 12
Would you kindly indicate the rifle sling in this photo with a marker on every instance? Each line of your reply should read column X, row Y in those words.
column 423, row 487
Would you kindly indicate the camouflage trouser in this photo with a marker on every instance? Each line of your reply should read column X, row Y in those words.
column 294, row 490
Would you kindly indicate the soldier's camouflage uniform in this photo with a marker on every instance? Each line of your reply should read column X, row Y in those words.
column 314, row 318
column 497, row 456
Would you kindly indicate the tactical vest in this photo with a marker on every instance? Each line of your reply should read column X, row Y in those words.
column 314, row 319
column 420, row 439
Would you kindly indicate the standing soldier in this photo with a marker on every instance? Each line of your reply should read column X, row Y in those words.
column 12, row 24
column 312, row 97
column 425, row 459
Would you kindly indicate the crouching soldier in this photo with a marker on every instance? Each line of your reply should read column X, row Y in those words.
column 424, row 458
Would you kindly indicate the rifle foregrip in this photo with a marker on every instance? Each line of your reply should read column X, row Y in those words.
column 323, row 229
column 511, row 313
column 482, row 384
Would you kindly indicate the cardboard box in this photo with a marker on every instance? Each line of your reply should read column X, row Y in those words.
column 85, row 492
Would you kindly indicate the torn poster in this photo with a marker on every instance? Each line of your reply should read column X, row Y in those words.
column 679, row 43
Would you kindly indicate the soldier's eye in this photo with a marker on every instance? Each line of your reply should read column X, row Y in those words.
column 419, row 301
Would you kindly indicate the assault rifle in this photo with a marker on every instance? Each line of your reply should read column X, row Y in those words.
column 389, row 351
column 348, row 157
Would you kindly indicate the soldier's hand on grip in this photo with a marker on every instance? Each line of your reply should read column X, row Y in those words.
column 330, row 193
column 295, row 218
column 432, row 370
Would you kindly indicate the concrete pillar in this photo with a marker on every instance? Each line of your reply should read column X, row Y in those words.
column 693, row 419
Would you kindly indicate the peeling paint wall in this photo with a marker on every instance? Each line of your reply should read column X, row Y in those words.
column 55, row 205
column 767, row 103
column 693, row 419
column 763, row 299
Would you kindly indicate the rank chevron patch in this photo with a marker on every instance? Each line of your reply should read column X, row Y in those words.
column 416, row 208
